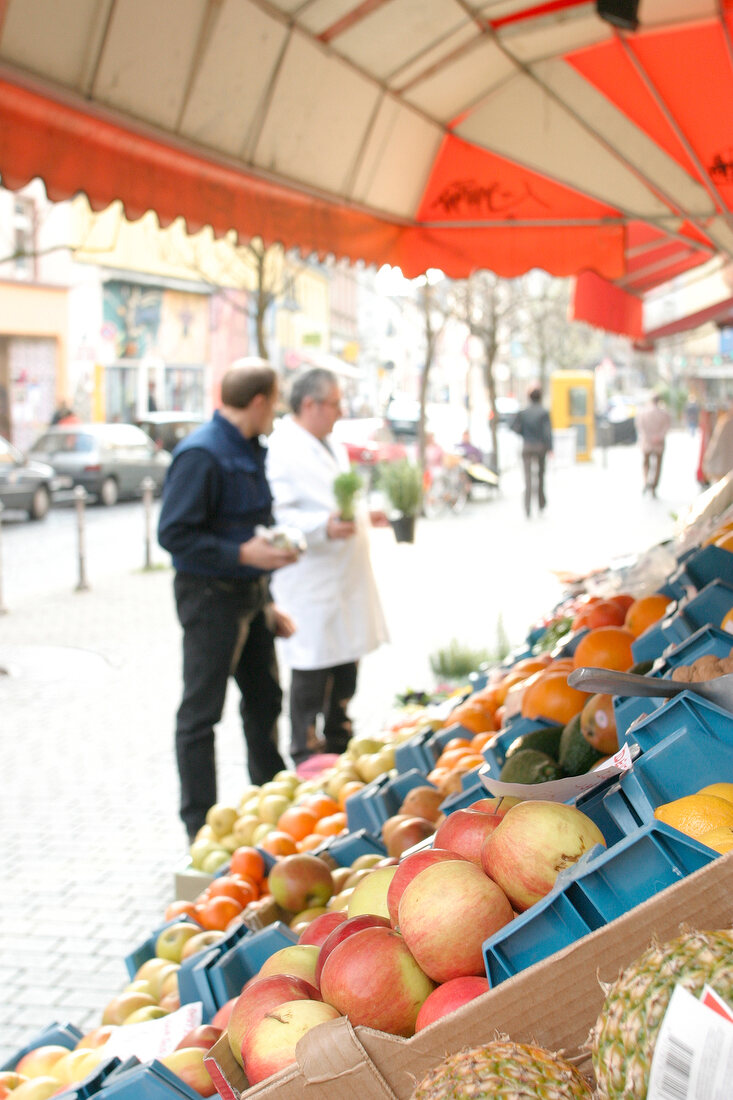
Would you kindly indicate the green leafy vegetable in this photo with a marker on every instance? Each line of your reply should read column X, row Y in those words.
column 345, row 488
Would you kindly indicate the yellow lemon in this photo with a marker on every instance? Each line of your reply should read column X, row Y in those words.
column 720, row 790
column 720, row 840
column 727, row 623
column 696, row 814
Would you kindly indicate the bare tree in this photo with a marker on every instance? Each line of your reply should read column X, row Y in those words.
column 435, row 311
column 548, row 335
column 486, row 304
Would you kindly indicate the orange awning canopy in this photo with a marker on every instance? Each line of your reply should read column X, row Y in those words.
column 505, row 135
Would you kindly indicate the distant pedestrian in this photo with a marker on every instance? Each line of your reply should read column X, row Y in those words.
column 692, row 415
column 718, row 458
column 214, row 497
column 652, row 424
column 468, row 449
column 533, row 424
column 63, row 414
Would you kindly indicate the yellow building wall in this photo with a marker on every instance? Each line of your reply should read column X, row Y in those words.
column 40, row 311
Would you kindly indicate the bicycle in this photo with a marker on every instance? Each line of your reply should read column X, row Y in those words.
column 445, row 488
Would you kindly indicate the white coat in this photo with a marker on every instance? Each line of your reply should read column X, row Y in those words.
column 330, row 591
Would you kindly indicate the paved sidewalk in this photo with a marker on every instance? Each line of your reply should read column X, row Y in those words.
column 90, row 834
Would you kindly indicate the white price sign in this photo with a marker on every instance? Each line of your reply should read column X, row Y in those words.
column 559, row 790
column 154, row 1038
column 693, row 1058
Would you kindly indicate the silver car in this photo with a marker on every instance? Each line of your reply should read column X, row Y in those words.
column 25, row 485
column 109, row 460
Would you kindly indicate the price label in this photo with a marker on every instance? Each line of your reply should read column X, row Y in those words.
column 693, row 1058
column 560, row 790
column 154, row 1038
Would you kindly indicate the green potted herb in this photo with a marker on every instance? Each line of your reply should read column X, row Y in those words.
column 345, row 488
column 401, row 482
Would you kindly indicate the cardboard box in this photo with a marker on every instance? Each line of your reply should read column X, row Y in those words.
column 554, row 1003
column 188, row 882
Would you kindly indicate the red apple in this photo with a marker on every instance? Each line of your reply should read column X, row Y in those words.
column 373, row 979
column 342, row 932
column 188, row 1064
column 532, row 844
column 270, row 1044
column 222, row 1015
column 299, row 882
column 321, row 927
column 448, row 997
column 499, row 804
column 407, row 833
column 464, row 832
column 409, row 867
column 205, row 1035
column 260, row 996
column 446, row 913
column 40, row 1061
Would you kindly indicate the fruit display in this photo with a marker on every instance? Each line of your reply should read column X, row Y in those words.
column 625, row 1033
column 371, row 894
column 513, row 1071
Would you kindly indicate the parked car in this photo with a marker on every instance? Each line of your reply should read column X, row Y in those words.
column 109, row 460
column 26, row 485
column 368, row 441
column 169, row 428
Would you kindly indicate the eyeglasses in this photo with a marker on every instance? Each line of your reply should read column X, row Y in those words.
column 333, row 404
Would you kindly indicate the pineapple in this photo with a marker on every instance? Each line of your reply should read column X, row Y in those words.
column 505, row 1070
column 623, row 1039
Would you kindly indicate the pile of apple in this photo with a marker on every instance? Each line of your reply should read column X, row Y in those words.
column 407, row 946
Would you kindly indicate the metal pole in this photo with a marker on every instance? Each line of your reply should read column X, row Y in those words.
column 80, row 498
column 3, row 608
column 147, row 486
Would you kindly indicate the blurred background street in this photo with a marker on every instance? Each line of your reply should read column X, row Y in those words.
column 90, row 833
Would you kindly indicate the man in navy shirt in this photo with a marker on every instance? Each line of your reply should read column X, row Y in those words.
column 214, row 497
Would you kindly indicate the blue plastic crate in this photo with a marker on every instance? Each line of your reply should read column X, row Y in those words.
column 655, row 639
column 63, row 1035
column 361, row 813
column 680, row 765
column 709, row 606
column 415, row 753
column 440, row 739
column 471, row 790
column 602, row 886
column 593, row 805
column 146, row 949
column 345, row 849
column 152, row 1081
column 227, row 974
column 707, row 564
column 567, row 645
column 684, row 711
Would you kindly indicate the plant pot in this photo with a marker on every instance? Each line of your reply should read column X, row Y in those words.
column 404, row 528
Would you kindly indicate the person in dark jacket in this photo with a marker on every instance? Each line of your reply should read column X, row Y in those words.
column 533, row 424
column 215, row 495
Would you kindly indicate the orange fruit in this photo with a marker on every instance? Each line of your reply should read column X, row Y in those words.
column 552, row 698
column 605, row 613
column 720, row 839
column 605, row 647
column 696, row 814
column 278, row 843
column 322, row 804
column 473, row 715
column 644, row 612
column 308, row 843
column 727, row 623
column 450, row 757
column 331, row 825
column 215, row 914
column 458, row 743
column 623, row 600
column 298, row 821
column 227, row 886
column 480, row 740
column 178, row 909
column 349, row 788
column 598, row 724
column 725, row 542
column 720, row 790
column 249, row 862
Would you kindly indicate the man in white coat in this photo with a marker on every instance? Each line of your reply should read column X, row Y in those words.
column 330, row 592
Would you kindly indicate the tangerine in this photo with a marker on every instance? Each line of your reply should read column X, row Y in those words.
column 552, row 698
column 352, row 786
column 598, row 724
column 623, row 600
column 178, row 909
column 227, row 886
column 605, row 613
column 247, row 861
column 727, row 623
column 322, row 804
column 605, row 647
column 278, row 843
column 331, row 825
column 474, row 716
column 216, row 913
column 298, row 821
column 309, row 843
column 646, row 611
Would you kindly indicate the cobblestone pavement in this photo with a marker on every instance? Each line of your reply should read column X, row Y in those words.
column 88, row 814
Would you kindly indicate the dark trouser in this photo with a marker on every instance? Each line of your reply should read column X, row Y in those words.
column 652, row 469
column 534, row 472
column 326, row 691
column 224, row 633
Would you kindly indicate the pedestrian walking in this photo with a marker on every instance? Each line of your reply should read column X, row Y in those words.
column 533, row 424
column 652, row 424
column 215, row 496
column 330, row 592
column 718, row 457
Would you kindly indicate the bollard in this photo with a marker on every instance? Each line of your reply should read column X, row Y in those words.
column 80, row 498
column 3, row 608
column 147, row 487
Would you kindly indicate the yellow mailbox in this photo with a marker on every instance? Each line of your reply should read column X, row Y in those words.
column 572, row 406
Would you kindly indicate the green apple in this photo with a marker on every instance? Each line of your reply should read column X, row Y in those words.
column 199, row 942
column 261, row 831
column 221, row 818
column 142, row 1015
column 272, row 806
column 229, row 842
column 200, row 849
column 169, row 944
column 243, row 828
column 119, row 1008
column 299, row 960
column 370, row 895
column 250, row 804
column 215, row 859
